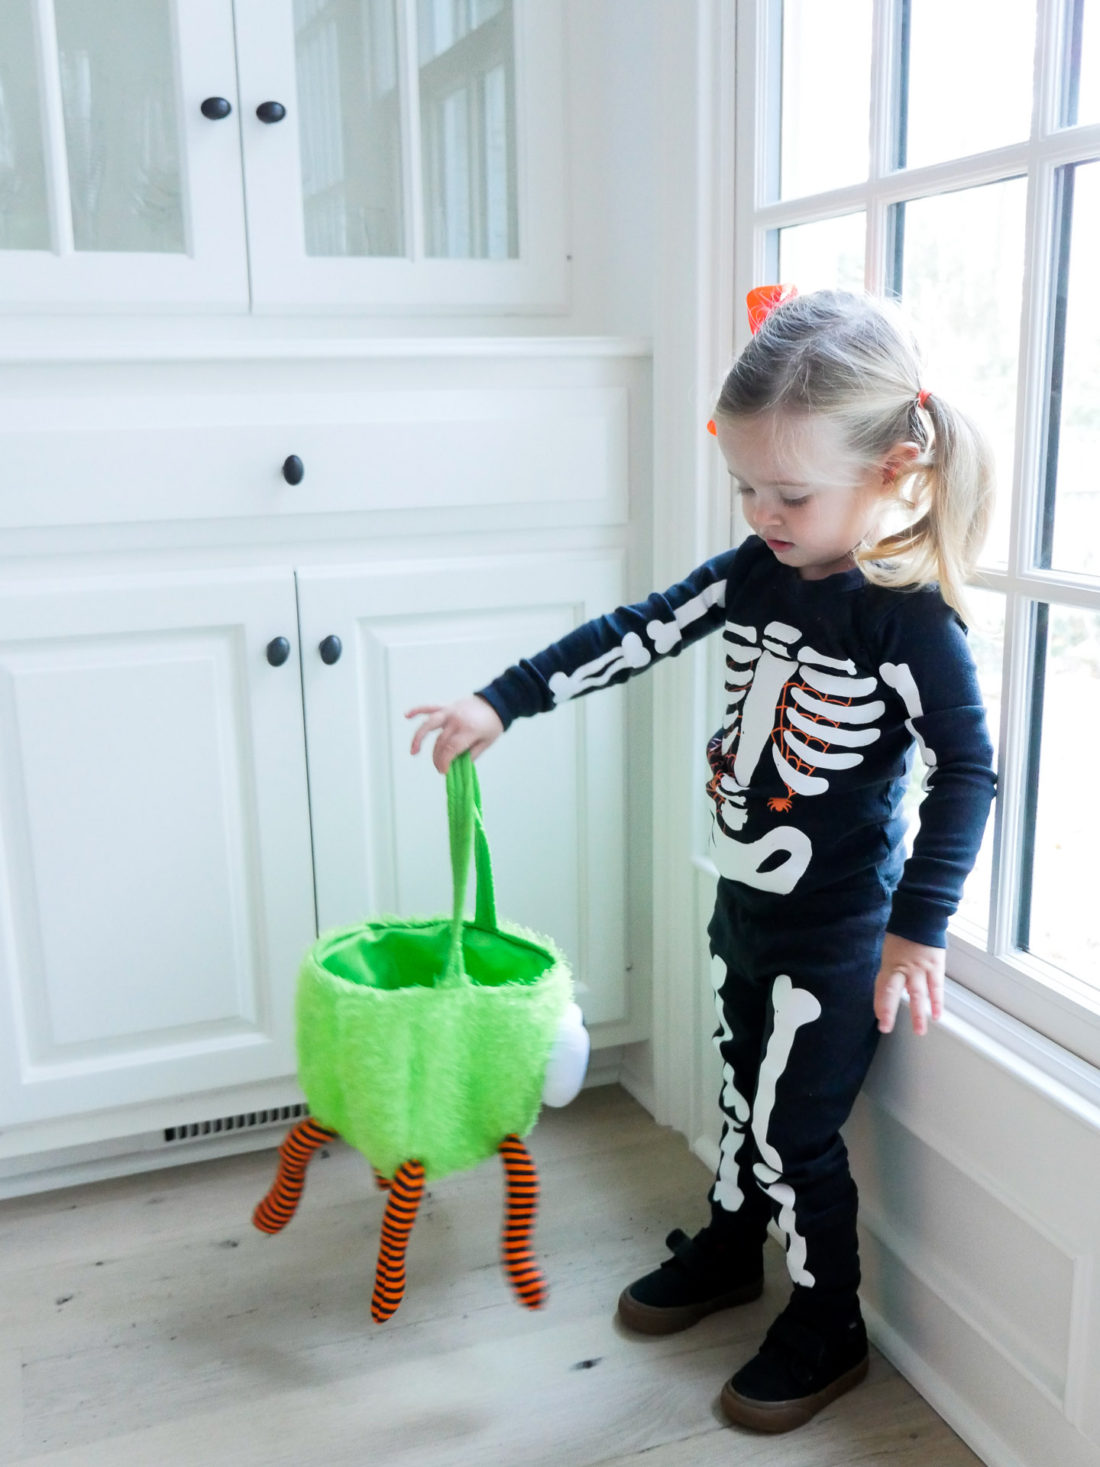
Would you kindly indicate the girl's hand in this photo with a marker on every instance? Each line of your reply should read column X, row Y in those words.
column 909, row 967
column 468, row 723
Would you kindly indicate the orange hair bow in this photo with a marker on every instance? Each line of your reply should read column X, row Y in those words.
column 763, row 300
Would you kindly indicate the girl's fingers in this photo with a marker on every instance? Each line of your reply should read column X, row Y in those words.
column 919, row 1004
column 935, row 995
column 887, row 997
column 435, row 720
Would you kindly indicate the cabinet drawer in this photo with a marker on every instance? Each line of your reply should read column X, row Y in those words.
column 124, row 459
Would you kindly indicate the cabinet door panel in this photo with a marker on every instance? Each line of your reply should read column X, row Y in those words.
column 553, row 788
column 121, row 191
column 414, row 167
column 155, row 881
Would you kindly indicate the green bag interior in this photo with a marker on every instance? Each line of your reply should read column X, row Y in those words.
column 403, row 956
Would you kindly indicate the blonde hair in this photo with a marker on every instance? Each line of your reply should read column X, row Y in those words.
column 850, row 358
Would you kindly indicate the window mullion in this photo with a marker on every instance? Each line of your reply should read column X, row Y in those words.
column 884, row 123
column 53, row 120
column 1051, row 56
column 412, row 153
column 1010, row 811
column 764, row 52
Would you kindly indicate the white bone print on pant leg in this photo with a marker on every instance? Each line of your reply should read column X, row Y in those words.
column 793, row 1007
column 727, row 1193
column 800, row 705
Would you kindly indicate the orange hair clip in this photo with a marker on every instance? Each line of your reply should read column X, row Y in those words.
column 763, row 300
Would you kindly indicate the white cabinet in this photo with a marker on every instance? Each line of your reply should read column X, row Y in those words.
column 553, row 787
column 155, row 875
column 388, row 155
column 115, row 189
column 156, row 882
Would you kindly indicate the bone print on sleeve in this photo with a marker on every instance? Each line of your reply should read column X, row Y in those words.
column 609, row 649
column 930, row 669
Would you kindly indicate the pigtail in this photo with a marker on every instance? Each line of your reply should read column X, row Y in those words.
column 949, row 498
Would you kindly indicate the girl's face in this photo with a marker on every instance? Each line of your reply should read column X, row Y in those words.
column 802, row 491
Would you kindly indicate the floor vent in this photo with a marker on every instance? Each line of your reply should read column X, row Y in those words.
column 278, row 1115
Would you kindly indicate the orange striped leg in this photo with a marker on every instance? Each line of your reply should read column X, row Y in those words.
column 519, row 1220
column 405, row 1192
column 381, row 1182
column 281, row 1203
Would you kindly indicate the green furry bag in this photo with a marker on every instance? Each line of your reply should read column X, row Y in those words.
column 429, row 1038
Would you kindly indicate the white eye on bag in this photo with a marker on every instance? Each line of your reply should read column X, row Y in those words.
column 568, row 1062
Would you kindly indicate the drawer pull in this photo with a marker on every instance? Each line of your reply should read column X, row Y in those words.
column 216, row 108
column 294, row 470
column 271, row 112
column 278, row 650
column 330, row 650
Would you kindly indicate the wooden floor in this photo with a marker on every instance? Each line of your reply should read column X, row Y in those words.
column 144, row 1322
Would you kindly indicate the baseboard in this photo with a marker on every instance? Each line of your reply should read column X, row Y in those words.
column 962, row 1419
column 128, row 1157
column 99, row 1161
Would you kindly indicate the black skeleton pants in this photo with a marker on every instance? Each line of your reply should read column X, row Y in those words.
column 794, row 986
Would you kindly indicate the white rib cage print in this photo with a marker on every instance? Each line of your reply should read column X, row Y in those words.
column 812, row 712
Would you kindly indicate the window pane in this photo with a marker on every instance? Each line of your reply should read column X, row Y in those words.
column 118, row 91
column 467, row 124
column 349, row 126
column 1088, row 77
column 827, row 255
column 826, row 74
column 987, row 633
column 24, row 213
column 1076, row 545
column 970, row 75
column 1063, row 927
column 962, row 284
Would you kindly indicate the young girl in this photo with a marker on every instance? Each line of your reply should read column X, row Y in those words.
column 844, row 646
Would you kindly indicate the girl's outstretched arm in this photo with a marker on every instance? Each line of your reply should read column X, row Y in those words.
column 468, row 723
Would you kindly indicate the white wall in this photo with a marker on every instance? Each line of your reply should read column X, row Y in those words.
column 611, row 76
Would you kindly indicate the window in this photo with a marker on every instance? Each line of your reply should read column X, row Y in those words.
column 960, row 171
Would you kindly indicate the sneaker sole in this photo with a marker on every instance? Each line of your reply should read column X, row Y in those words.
column 649, row 1319
column 777, row 1416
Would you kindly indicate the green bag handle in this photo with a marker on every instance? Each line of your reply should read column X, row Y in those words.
column 467, row 829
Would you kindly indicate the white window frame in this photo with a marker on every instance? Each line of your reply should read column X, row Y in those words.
column 1043, row 998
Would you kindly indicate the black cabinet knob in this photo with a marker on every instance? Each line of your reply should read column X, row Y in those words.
column 271, row 112
column 215, row 108
column 294, row 470
column 278, row 650
column 330, row 650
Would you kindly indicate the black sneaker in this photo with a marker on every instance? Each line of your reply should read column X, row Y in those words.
column 798, row 1370
column 703, row 1275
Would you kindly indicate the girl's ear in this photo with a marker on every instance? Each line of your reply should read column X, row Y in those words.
column 898, row 461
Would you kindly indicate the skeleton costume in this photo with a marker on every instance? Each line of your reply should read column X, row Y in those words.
column 829, row 685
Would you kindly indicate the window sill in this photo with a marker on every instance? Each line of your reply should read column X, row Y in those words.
column 1066, row 1078
column 1063, row 1014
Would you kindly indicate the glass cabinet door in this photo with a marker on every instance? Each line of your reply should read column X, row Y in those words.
column 120, row 177
column 414, row 139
